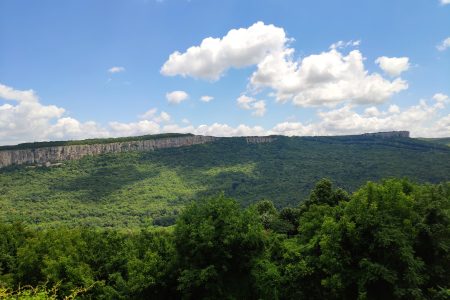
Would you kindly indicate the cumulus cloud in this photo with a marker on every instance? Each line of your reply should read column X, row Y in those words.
column 394, row 109
column 134, row 128
column 444, row 44
column 69, row 128
column 206, row 98
column 176, row 97
column 393, row 66
column 218, row 129
column 249, row 103
column 444, row 2
column 441, row 98
column 26, row 119
column 114, row 70
column 151, row 115
column 328, row 79
column 8, row 93
column 421, row 119
column 238, row 48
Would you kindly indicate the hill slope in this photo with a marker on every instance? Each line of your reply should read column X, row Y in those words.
column 442, row 141
column 137, row 188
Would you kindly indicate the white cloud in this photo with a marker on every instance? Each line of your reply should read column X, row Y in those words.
column 26, row 120
column 114, row 70
column 328, row 78
column 218, row 129
column 176, row 97
column 342, row 44
column 393, row 109
column 238, row 48
column 206, row 98
column 70, row 128
column 439, row 97
column 444, row 2
column 8, row 93
column 134, row 128
column 372, row 111
column 29, row 120
column 249, row 103
column 444, row 44
column 393, row 66
column 163, row 117
column 151, row 115
column 421, row 120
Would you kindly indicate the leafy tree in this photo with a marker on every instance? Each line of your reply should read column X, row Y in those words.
column 323, row 193
column 12, row 237
column 55, row 257
column 387, row 240
column 216, row 243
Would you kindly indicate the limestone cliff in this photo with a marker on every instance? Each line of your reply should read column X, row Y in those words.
column 259, row 139
column 61, row 153
column 51, row 155
column 389, row 134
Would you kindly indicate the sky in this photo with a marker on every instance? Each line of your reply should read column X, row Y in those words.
column 75, row 69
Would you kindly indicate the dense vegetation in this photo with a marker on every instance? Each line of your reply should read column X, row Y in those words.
column 134, row 190
column 442, row 141
column 385, row 241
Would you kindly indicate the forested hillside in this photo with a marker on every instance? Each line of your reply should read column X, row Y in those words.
column 385, row 241
column 131, row 190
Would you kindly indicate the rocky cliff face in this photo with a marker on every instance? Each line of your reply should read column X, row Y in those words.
column 259, row 139
column 51, row 155
column 390, row 134
column 70, row 152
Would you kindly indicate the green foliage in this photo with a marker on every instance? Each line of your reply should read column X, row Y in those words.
column 216, row 243
column 323, row 193
column 134, row 190
column 387, row 240
column 442, row 141
column 38, row 293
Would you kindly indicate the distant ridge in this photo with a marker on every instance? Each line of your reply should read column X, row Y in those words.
column 48, row 153
column 35, row 145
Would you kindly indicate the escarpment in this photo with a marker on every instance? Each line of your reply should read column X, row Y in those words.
column 50, row 155
column 70, row 152
column 389, row 134
column 259, row 139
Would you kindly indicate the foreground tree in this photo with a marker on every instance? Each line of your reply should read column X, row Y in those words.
column 389, row 240
column 216, row 243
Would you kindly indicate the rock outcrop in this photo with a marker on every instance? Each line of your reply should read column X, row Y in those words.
column 259, row 139
column 390, row 134
column 42, row 156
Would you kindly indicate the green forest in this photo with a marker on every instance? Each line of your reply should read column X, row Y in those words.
column 386, row 240
column 232, row 220
column 138, row 189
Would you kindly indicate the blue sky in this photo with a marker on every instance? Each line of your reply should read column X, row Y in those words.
column 389, row 68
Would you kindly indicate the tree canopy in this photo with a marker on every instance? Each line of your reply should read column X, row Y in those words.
column 387, row 240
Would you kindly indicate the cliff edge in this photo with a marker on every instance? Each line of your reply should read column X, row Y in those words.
column 47, row 155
